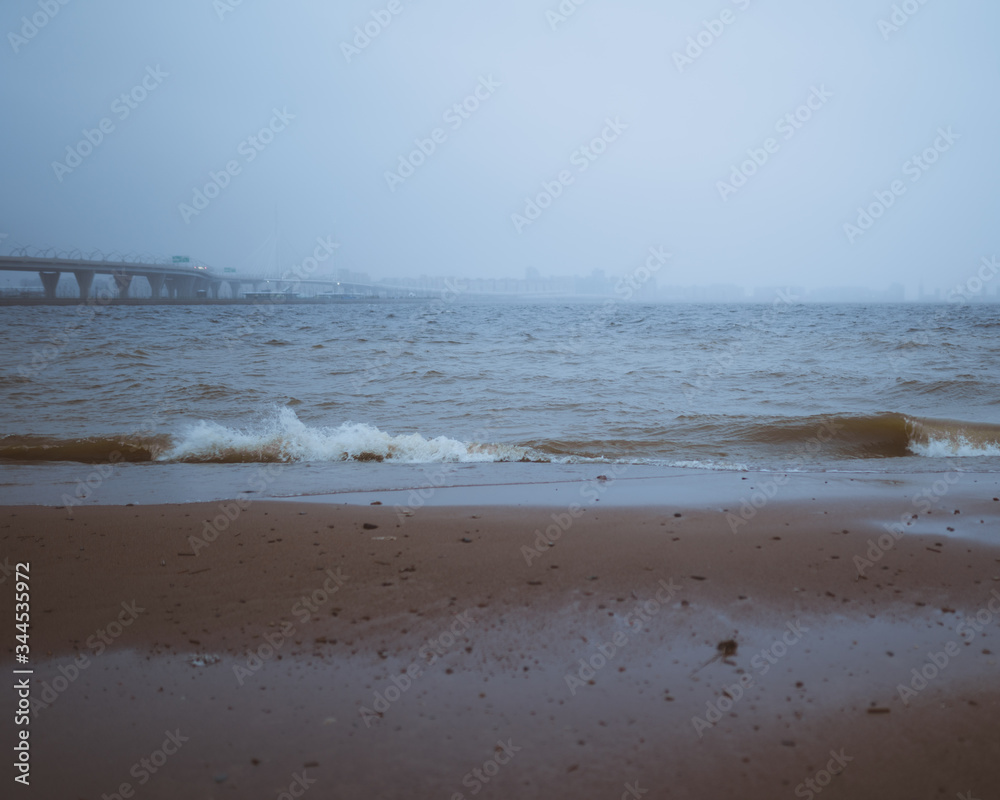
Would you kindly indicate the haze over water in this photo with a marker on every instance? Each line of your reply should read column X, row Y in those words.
column 779, row 387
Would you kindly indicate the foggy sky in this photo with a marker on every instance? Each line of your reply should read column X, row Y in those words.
column 215, row 77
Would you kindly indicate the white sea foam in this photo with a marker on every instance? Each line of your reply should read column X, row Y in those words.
column 284, row 437
column 951, row 439
column 955, row 446
column 709, row 465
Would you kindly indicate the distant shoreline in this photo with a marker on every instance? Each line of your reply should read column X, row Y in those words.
column 466, row 300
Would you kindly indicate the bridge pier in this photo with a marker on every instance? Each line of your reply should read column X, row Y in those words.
column 85, row 280
column 181, row 287
column 155, row 284
column 185, row 281
column 123, row 282
column 50, row 280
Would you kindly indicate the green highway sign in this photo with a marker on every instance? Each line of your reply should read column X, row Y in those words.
column 182, row 260
column 228, row 269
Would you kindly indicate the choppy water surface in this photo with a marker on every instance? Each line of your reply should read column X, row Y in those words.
column 889, row 388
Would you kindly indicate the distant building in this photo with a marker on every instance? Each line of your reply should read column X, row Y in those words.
column 599, row 284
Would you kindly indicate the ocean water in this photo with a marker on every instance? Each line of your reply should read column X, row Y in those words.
column 784, row 386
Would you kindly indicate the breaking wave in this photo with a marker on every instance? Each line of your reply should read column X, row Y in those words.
column 695, row 442
column 950, row 439
column 878, row 436
column 284, row 437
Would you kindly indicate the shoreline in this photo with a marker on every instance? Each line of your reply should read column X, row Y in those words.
column 394, row 660
column 77, row 485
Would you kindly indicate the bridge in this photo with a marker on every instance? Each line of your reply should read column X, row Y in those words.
column 180, row 278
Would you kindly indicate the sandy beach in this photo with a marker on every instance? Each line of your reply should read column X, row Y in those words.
column 516, row 651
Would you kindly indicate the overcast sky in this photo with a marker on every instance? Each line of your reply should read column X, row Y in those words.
column 672, row 122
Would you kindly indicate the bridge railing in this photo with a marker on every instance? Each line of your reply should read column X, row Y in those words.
column 75, row 254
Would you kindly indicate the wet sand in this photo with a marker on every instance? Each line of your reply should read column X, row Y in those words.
column 386, row 655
